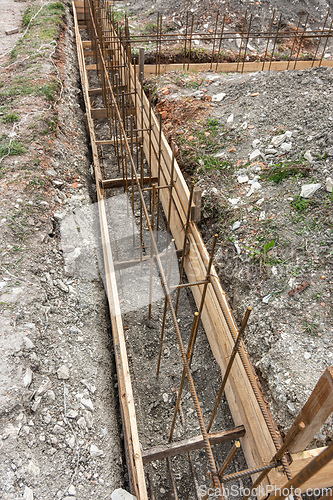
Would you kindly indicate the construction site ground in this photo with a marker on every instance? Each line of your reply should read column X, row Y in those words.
column 60, row 425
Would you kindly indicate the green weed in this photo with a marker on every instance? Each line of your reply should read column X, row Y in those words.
column 300, row 204
column 15, row 148
column 11, row 117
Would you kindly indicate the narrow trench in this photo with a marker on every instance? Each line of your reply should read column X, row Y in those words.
column 155, row 399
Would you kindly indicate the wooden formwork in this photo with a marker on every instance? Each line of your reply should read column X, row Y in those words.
column 246, row 400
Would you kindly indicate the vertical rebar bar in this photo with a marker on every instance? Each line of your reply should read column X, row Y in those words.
column 213, row 50
column 268, row 40
column 220, row 44
column 299, row 46
column 190, row 46
column 241, row 42
column 326, row 42
column 275, row 39
column 247, row 41
column 319, row 42
column 295, row 39
column 229, row 366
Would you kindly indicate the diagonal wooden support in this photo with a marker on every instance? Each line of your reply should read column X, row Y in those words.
column 315, row 411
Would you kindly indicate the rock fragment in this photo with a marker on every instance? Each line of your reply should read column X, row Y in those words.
column 27, row 377
column 95, row 452
column 309, row 189
column 218, row 97
column 121, row 494
column 63, row 372
column 28, row 494
column 329, row 184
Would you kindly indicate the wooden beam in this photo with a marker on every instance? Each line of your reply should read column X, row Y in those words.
column 195, row 443
column 323, row 479
column 113, row 183
column 86, row 44
column 125, row 264
column 249, row 67
column 93, row 92
column 112, row 141
column 101, row 113
column 315, row 411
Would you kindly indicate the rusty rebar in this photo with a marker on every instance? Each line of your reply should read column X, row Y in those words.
column 229, row 366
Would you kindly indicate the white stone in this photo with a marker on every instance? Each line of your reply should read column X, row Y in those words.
column 218, row 97
column 165, row 397
column 230, row 119
column 255, row 143
column 71, row 490
column 28, row 343
column 27, row 377
column 309, row 189
column 89, row 419
column 255, row 187
column 242, row 178
column 329, row 184
column 289, row 134
column 270, row 151
column 262, row 215
column 233, row 201
column 274, row 271
column 63, row 372
column 308, row 156
column 236, row 225
column 44, row 387
column 307, row 355
column 260, row 202
column 87, row 403
column 82, row 423
column 198, row 94
column 71, row 442
column 286, row 147
column 238, row 248
column 267, row 298
column 121, row 494
column 95, row 452
column 278, row 139
column 88, row 385
column 28, row 494
column 255, row 154
column 72, row 414
column 244, row 125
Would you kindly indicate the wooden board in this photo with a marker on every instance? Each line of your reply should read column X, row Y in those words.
column 323, row 479
column 249, row 67
column 195, row 443
column 315, row 412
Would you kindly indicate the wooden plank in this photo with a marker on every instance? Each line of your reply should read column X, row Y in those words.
column 86, row 44
column 93, row 92
column 315, row 411
column 114, row 183
column 112, row 140
column 195, row 443
column 101, row 113
column 88, row 53
column 132, row 444
column 323, row 479
column 249, row 67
